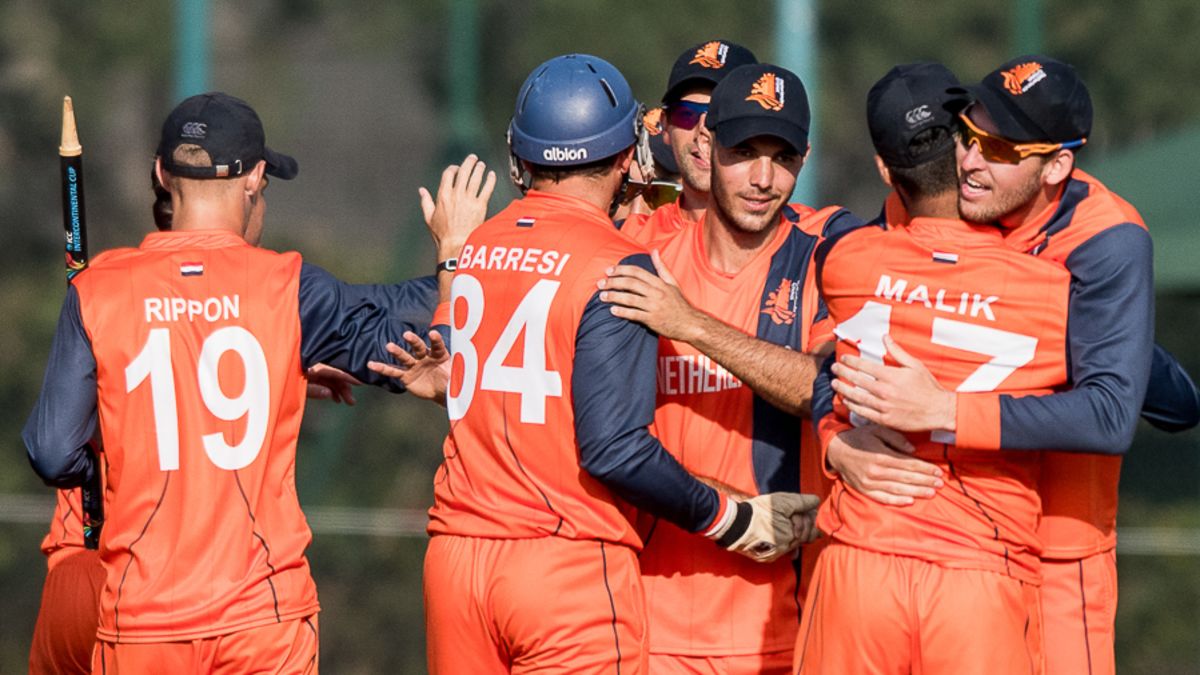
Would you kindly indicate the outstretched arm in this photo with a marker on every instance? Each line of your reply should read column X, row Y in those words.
column 1110, row 342
column 781, row 376
column 459, row 208
column 424, row 371
column 614, row 397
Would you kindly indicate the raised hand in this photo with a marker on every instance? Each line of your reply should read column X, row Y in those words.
column 460, row 205
column 425, row 372
column 326, row 383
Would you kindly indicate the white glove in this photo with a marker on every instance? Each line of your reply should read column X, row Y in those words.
column 761, row 528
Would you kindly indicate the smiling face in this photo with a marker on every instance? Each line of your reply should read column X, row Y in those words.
column 993, row 191
column 690, row 146
column 752, row 181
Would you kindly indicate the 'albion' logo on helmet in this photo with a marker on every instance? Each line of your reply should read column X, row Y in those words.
column 557, row 154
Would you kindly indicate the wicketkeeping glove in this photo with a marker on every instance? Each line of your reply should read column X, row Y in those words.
column 760, row 528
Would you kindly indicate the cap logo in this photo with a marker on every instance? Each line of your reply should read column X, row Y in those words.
column 768, row 91
column 1021, row 78
column 918, row 116
column 711, row 55
column 194, row 130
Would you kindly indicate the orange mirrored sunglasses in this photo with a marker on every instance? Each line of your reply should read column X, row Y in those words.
column 999, row 149
column 655, row 193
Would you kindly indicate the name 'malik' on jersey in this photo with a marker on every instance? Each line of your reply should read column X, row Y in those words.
column 982, row 317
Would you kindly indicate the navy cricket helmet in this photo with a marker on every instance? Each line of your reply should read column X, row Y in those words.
column 572, row 110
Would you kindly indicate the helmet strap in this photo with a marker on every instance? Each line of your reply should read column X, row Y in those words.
column 520, row 177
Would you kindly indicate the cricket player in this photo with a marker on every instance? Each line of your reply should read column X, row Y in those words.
column 532, row 564
column 1016, row 168
column 737, row 300
column 689, row 88
column 890, row 592
column 186, row 356
column 64, row 634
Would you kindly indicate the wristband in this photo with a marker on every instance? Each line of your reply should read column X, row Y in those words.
column 447, row 265
column 741, row 523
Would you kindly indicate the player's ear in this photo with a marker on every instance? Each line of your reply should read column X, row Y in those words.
column 625, row 159
column 885, row 174
column 160, row 174
column 254, row 178
column 1058, row 168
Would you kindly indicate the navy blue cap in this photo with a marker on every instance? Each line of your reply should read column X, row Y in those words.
column 705, row 63
column 760, row 100
column 907, row 101
column 1035, row 99
column 229, row 130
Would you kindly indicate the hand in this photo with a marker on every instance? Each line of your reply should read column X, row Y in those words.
column 876, row 462
column 460, row 207
column 769, row 534
column 326, row 383
column 905, row 397
column 653, row 301
column 804, row 527
column 424, row 372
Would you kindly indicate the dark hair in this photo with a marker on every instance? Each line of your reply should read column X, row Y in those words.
column 934, row 177
column 162, row 209
column 556, row 174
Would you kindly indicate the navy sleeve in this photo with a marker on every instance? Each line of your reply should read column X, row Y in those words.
column 1110, row 338
column 409, row 302
column 822, row 394
column 840, row 223
column 64, row 419
column 1172, row 402
column 613, row 387
column 345, row 325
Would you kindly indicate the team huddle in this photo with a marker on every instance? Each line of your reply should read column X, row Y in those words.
column 711, row 432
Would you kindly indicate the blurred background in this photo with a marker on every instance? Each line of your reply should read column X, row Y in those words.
column 374, row 97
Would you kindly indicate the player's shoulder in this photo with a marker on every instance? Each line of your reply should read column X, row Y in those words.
column 1095, row 207
column 104, row 265
column 822, row 223
column 113, row 257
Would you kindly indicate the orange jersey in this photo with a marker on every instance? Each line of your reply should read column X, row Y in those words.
column 982, row 318
column 66, row 527
column 200, row 395
column 513, row 466
column 703, row 601
column 657, row 228
column 1079, row 490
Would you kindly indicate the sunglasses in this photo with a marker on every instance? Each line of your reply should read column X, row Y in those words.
column 998, row 149
column 655, row 193
column 685, row 114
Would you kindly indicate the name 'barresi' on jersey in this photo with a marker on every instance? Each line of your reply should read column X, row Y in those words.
column 513, row 259
column 942, row 300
